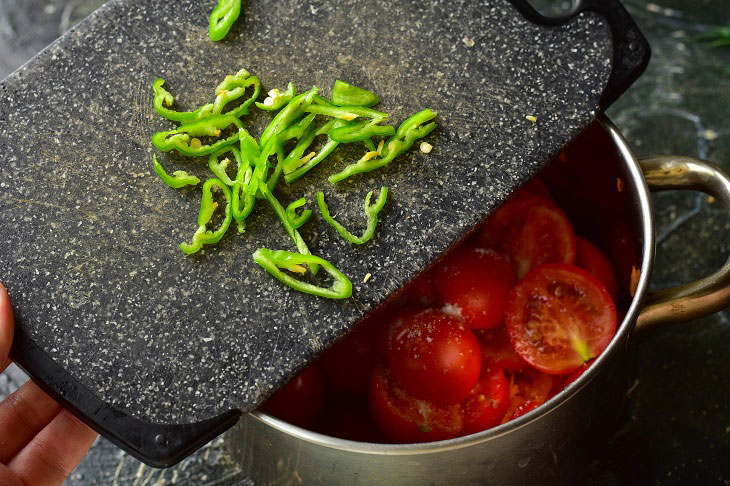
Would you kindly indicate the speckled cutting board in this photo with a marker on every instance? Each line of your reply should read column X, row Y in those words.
column 159, row 350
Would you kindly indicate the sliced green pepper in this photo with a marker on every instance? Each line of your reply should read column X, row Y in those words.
column 361, row 131
column 178, row 179
column 232, row 88
column 347, row 113
column 297, row 220
column 408, row 132
column 242, row 186
column 219, row 168
column 295, row 166
column 222, row 18
column 288, row 226
column 371, row 213
column 203, row 236
column 275, row 260
column 212, row 126
column 344, row 94
column 276, row 99
column 299, row 129
column 288, row 115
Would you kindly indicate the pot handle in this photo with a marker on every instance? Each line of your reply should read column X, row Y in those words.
column 707, row 295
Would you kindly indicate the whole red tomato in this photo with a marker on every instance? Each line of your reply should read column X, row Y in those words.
column 433, row 356
column 476, row 282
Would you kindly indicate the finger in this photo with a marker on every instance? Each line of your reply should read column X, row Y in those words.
column 54, row 453
column 7, row 324
column 22, row 415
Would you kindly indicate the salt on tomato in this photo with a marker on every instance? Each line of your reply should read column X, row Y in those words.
column 405, row 419
column 301, row 400
column 522, row 409
column 488, row 401
column 558, row 317
column 433, row 356
column 497, row 350
column 476, row 282
column 530, row 231
column 590, row 258
column 348, row 364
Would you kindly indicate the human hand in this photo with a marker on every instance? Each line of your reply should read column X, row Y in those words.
column 40, row 442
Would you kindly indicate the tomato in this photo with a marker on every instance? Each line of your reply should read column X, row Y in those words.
column 589, row 257
column 558, row 317
column 348, row 364
column 405, row 419
column 488, row 401
column 301, row 400
column 497, row 350
column 530, row 231
column 522, row 409
column 476, row 282
column 433, row 356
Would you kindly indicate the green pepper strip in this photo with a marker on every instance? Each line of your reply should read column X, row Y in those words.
column 371, row 212
column 297, row 130
column 178, row 179
column 274, row 260
column 288, row 115
column 222, row 18
column 408, row 132
column 212, row 126
column 274, row 146
column 219, row 168
column 295, row 166
column 232, row 88
column 278, row 99
column 288, row 226
column 297, row 220
column 357, row 131
column 204, row 236
column 250, row 153
column 345, row 94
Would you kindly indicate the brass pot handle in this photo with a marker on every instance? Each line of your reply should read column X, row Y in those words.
column 705, row 296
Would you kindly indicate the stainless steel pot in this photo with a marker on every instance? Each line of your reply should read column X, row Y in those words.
column 553, row 443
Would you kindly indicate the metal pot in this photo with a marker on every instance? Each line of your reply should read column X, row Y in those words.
column 606, row 192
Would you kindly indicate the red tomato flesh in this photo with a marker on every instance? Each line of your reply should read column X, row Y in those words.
column 558, row 317
column 522, row 409
column 590, row 258
column 433, row 356
column 537, row 187
column 476, row 282
column 301, row 400
column 530, row 231
column 405, row 419
column 488, row 401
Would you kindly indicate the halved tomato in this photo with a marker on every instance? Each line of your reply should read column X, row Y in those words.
column 405, row 419
column 558, row 317
column 476, row 282
column 530, row 231
column 537, row 187
column 488, row 401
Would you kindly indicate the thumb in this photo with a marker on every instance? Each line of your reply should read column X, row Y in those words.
column 7, row 321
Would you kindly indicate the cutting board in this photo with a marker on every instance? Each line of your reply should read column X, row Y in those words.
column 159, row 351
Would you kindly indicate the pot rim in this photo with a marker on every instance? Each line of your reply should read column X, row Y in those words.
column 643, row 205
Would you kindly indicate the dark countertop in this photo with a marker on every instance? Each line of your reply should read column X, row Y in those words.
column 676, row 427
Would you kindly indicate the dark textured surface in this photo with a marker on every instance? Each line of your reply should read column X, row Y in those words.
column 97, row 279
column 676, row 427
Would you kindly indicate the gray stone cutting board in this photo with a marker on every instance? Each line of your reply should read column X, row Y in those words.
column 143, row 341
